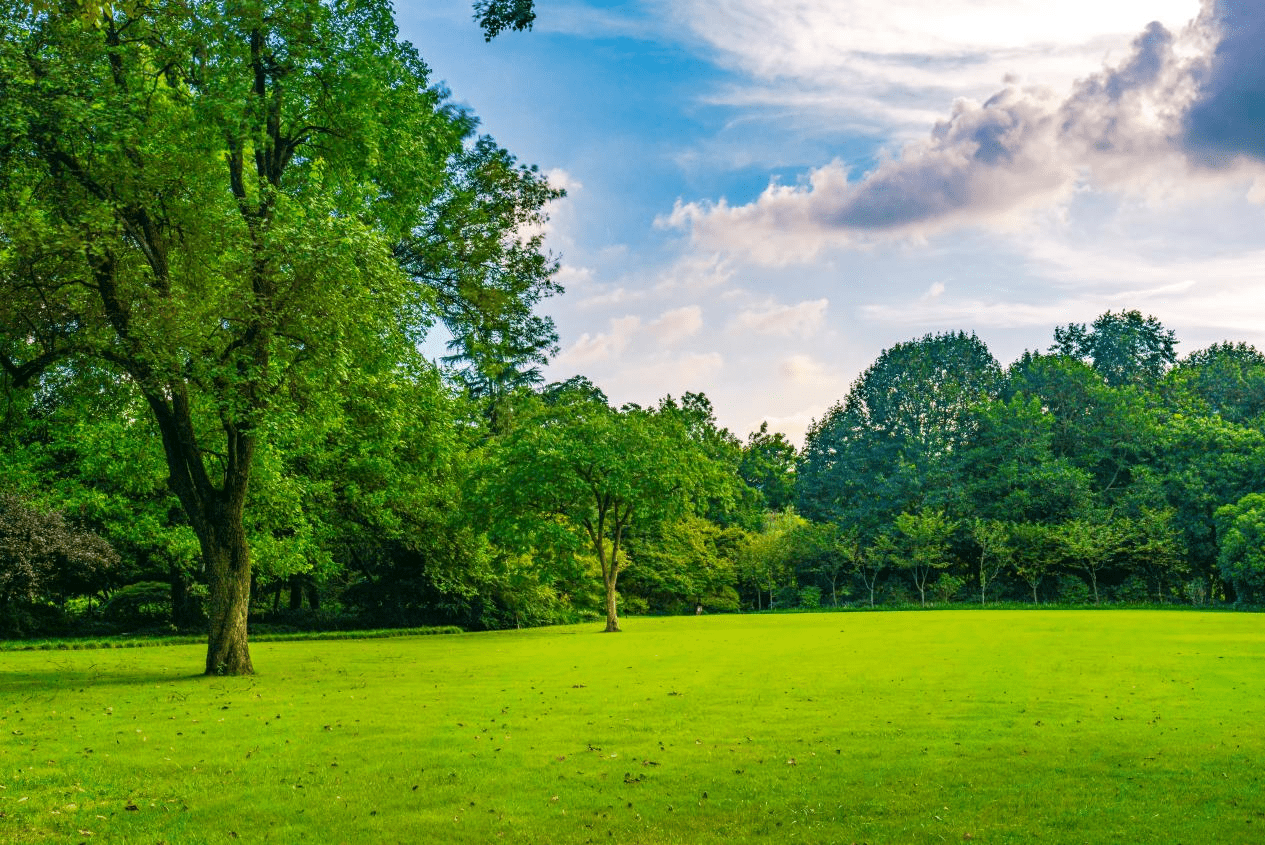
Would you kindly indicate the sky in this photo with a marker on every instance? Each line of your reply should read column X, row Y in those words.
column 763, row 195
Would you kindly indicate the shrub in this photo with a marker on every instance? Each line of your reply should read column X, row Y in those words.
column 810, row 597
column 144, row 604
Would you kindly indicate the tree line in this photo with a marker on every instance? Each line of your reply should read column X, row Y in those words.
column 225, row 229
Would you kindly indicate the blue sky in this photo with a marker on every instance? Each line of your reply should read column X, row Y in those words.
column 765, row 194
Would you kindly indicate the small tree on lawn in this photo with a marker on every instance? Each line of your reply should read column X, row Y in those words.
column 1031, row 555
column 1089, row 545
column 993, row 541
column 575, row 473
column 924, row 545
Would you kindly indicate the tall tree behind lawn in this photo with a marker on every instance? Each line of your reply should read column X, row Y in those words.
column 207, row 198
column 886, row 447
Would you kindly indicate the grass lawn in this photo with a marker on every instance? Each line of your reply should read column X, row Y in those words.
column 982, row 726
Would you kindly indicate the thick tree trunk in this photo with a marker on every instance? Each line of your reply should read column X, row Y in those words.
column 227, row 557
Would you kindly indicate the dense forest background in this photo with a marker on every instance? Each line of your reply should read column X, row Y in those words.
column 1104, row 469
column 228, row 229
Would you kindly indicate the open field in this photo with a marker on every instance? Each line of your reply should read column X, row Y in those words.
column 987, row 726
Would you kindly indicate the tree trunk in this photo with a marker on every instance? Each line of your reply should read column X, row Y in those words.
column 227, row 557
column 612, row 621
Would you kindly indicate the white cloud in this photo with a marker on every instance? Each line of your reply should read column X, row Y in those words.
column 674, row 326
column 656, row 376
column 1147, row 118
column 799, row 320
column 591, row 349
column 873, row 61
column 794, row 425
column 693, row 273
column 668, row 329
column 557, row 177
column 802, row 369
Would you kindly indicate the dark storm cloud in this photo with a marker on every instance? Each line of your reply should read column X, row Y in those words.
column 1227, row 119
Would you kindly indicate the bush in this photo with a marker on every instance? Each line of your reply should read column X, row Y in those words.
column 947, row 587
column 140, row 605
column 787, row 596
column 726, row 601
column 810, row 597
column 1073, row 590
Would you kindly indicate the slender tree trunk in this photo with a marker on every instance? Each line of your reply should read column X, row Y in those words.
column 983, row 581
column 612, row 621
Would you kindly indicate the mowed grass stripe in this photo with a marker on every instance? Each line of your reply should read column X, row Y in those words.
column 983, row 726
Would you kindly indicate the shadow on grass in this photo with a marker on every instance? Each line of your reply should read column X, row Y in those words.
column 55, row 678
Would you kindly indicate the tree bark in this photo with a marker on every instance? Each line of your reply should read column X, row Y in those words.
column 612, row 621
column 227, row 556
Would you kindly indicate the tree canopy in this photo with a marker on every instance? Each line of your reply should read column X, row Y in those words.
column 208, row 201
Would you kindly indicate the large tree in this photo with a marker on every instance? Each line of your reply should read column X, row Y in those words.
column 208, row 198
column 887, row 446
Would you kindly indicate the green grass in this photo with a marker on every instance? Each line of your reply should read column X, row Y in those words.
column 1019, row 727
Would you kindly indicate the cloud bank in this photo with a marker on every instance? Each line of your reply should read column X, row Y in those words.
column 1189, row 103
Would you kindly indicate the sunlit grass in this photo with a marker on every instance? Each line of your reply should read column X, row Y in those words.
column 1066, row 726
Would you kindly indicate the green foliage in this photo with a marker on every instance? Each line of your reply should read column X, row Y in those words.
column 885, row 449
column 768, row 465
column 496, row 16
column 1089, row 544
column 1124, row 348
column 684, row 564
column 921, row 546
column 236, row 217
column 576, row 476
column 1241, row 538
column 141, row 605
column 810, row 597
column 1227, row 379
column 479, row 249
